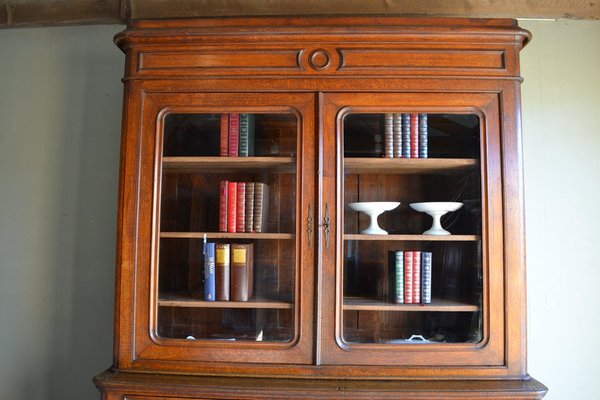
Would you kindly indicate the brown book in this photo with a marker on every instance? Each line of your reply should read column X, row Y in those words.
column 242, row 271
column 223, row 269
column 241, row 207
column 261, row 205
column 249, row 207
column 224, row 135
column 223, row 210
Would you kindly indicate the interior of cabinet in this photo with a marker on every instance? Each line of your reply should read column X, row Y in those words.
column 449, row 173
column 193, row 169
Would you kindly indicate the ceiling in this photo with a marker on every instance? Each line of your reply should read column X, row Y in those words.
column 21, row 13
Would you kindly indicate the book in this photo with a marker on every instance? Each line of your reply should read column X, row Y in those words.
column 223, row 268
column 426, row 262
column 261, row 205
column 408, row 277
column 242, row 271
column 405, row 135
column 234, row 135
column 389, row 136
column 416, row 276
column 414, row 135
column 249, row 207
column 240, row 209
column 231, row 207
column 224, row 137
column 223, row 210
column 209, row 272
column 396, row 276
column 423, row 136
column 397, row 135
column 246, row 135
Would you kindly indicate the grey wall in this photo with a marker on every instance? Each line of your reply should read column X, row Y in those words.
column 60, row 111
column 60, row 108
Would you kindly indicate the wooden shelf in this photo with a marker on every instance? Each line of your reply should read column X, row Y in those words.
column 229, row 164
column 406, row 165
column 366, row 304
column 174, row 300
column 225, row 235
column 414, row 238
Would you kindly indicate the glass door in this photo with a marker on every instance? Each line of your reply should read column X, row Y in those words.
column 412, row 265
column 231, row 272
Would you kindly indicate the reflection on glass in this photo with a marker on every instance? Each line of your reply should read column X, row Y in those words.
column 227, row 264
column 406, row 287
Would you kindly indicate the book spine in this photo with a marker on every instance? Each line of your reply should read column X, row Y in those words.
column 223, row 209
column 414, row 135
column 223, row 269
column 426, row 260
column 416, row 265
column 389, row 136
column 261, row 200
column 209, row 272
column 398, row 135
column 234, row 135
column 243, row 150
column 224, row 137
column 408, row 277
column 231, row 206
column 399, row 265
column 241, row 207
column 249, row 207
column 423, row 136
column 250, row 135
column 241, row 272
column 405, row 135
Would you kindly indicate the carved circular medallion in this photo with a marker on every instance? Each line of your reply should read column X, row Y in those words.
column 319, row 59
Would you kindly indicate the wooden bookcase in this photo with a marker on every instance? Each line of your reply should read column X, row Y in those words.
column 322, row 321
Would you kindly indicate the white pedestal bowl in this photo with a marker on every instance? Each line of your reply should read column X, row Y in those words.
column 374, row 209
column 436, row 209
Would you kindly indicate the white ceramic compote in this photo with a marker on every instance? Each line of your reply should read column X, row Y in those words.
column 374, row 209
column 436, row 209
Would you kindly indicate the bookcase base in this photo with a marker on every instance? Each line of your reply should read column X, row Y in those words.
column 116, row 385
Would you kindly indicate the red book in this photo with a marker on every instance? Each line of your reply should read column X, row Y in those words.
column 231, row 206
column 223, row 206
column 414, row 135
column 408, row 277
column 224, row 135
column 416, row 267
column 234, row 135
column 241, row 207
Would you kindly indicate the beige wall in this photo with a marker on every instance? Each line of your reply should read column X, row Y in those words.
column 60, row 101
column 561, row 129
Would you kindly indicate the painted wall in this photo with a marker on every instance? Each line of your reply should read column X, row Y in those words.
column 60, row 105
column 561, row 125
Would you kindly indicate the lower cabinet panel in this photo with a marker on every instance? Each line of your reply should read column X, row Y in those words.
column 140, row 386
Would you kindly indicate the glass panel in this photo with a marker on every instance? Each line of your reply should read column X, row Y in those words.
column 227, row 254
column 407, row 278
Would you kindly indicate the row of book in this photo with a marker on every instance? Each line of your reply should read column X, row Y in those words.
column 228, row 271
column 237, row 135
column 243, row 206
column 406, row 135
column 410, row 277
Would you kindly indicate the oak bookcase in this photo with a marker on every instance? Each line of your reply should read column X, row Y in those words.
column 321, row 322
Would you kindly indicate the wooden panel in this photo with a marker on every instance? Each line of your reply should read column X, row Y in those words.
column 228, row 164
column 225, row 235
column 180, row 301
column 373, row 60
column 256, row 61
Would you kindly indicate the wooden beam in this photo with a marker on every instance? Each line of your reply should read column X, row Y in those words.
column 21, row 13
column 577, row 9
column 14, row 13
